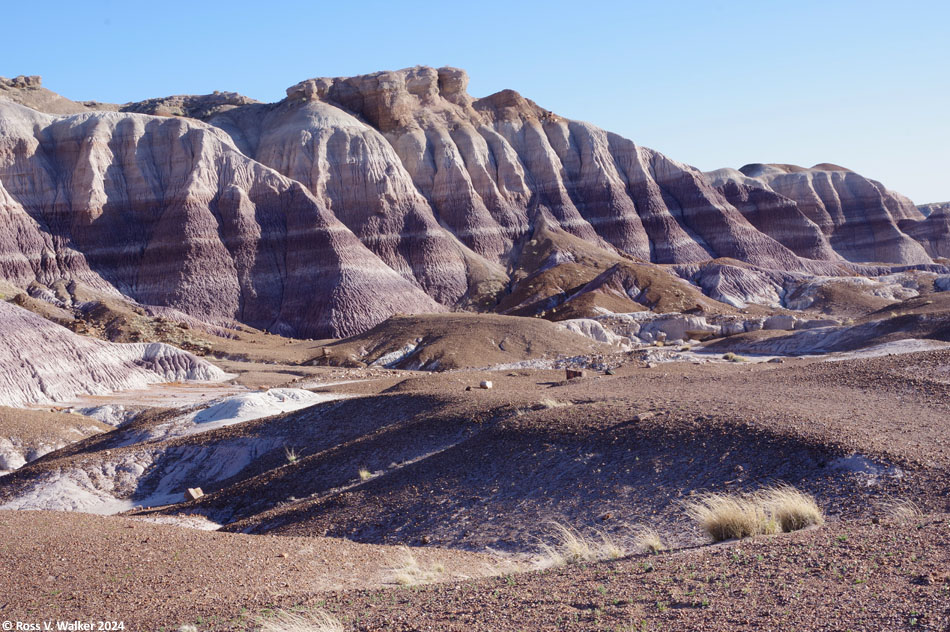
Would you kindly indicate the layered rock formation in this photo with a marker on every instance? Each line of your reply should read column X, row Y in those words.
column 928, row 209
column 491, row 167
column 355, row 198
column 934, row 231
column 72, row 365
column 169, row 212
column 825, row 212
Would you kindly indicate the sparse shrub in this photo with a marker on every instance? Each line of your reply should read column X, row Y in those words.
column 774, row 509
column 900, row 510
column 649, row 541
column 570, row 546
column 291, row 455
column 547, row 402
column 790, row 508
column 408, row 571
column 365, row 474
column 727, row 516
column 318, row 621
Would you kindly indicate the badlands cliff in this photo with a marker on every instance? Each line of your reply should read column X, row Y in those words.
column 357, row 198
column 74, row 365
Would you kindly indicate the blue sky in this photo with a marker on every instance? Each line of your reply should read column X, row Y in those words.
column 862, row 84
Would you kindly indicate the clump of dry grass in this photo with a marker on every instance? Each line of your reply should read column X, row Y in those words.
column 365, row 474
column 570, row 546
column 409, row 572
column 547, row 402
column 900, row 510
column 790, row 508
column 727, row 516
column 648, row 541
column 284, row 621
column 774, row 509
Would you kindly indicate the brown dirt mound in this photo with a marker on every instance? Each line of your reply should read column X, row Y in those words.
column 560, row 276
column 452, row 341
column 653, row 287
column 46, row 426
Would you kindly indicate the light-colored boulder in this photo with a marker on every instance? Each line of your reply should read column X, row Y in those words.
column 780, row 321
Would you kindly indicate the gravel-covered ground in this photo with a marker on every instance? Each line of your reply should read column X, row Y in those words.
column 466, row 470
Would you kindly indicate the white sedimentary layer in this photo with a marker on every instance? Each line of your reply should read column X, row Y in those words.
column 41, row 362
column 155, row 472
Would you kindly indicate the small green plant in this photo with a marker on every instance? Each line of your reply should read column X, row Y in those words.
column 365, row 474
column 291, row 455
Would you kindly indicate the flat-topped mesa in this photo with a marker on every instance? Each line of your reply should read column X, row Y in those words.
column 395, row 99
column 388, row 100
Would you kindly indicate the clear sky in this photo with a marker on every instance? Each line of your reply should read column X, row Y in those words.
column 862, row 84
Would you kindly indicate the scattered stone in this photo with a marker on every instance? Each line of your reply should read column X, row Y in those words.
column 468, row 388
column 609, row 372
column 193, row 493
column 486, row 384
column 776, row 361
column 644, row 416
column 573, row 373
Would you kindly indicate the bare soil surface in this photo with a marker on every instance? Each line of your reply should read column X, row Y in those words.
column 70, row 566
column 431, row 460
column 846, row 576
